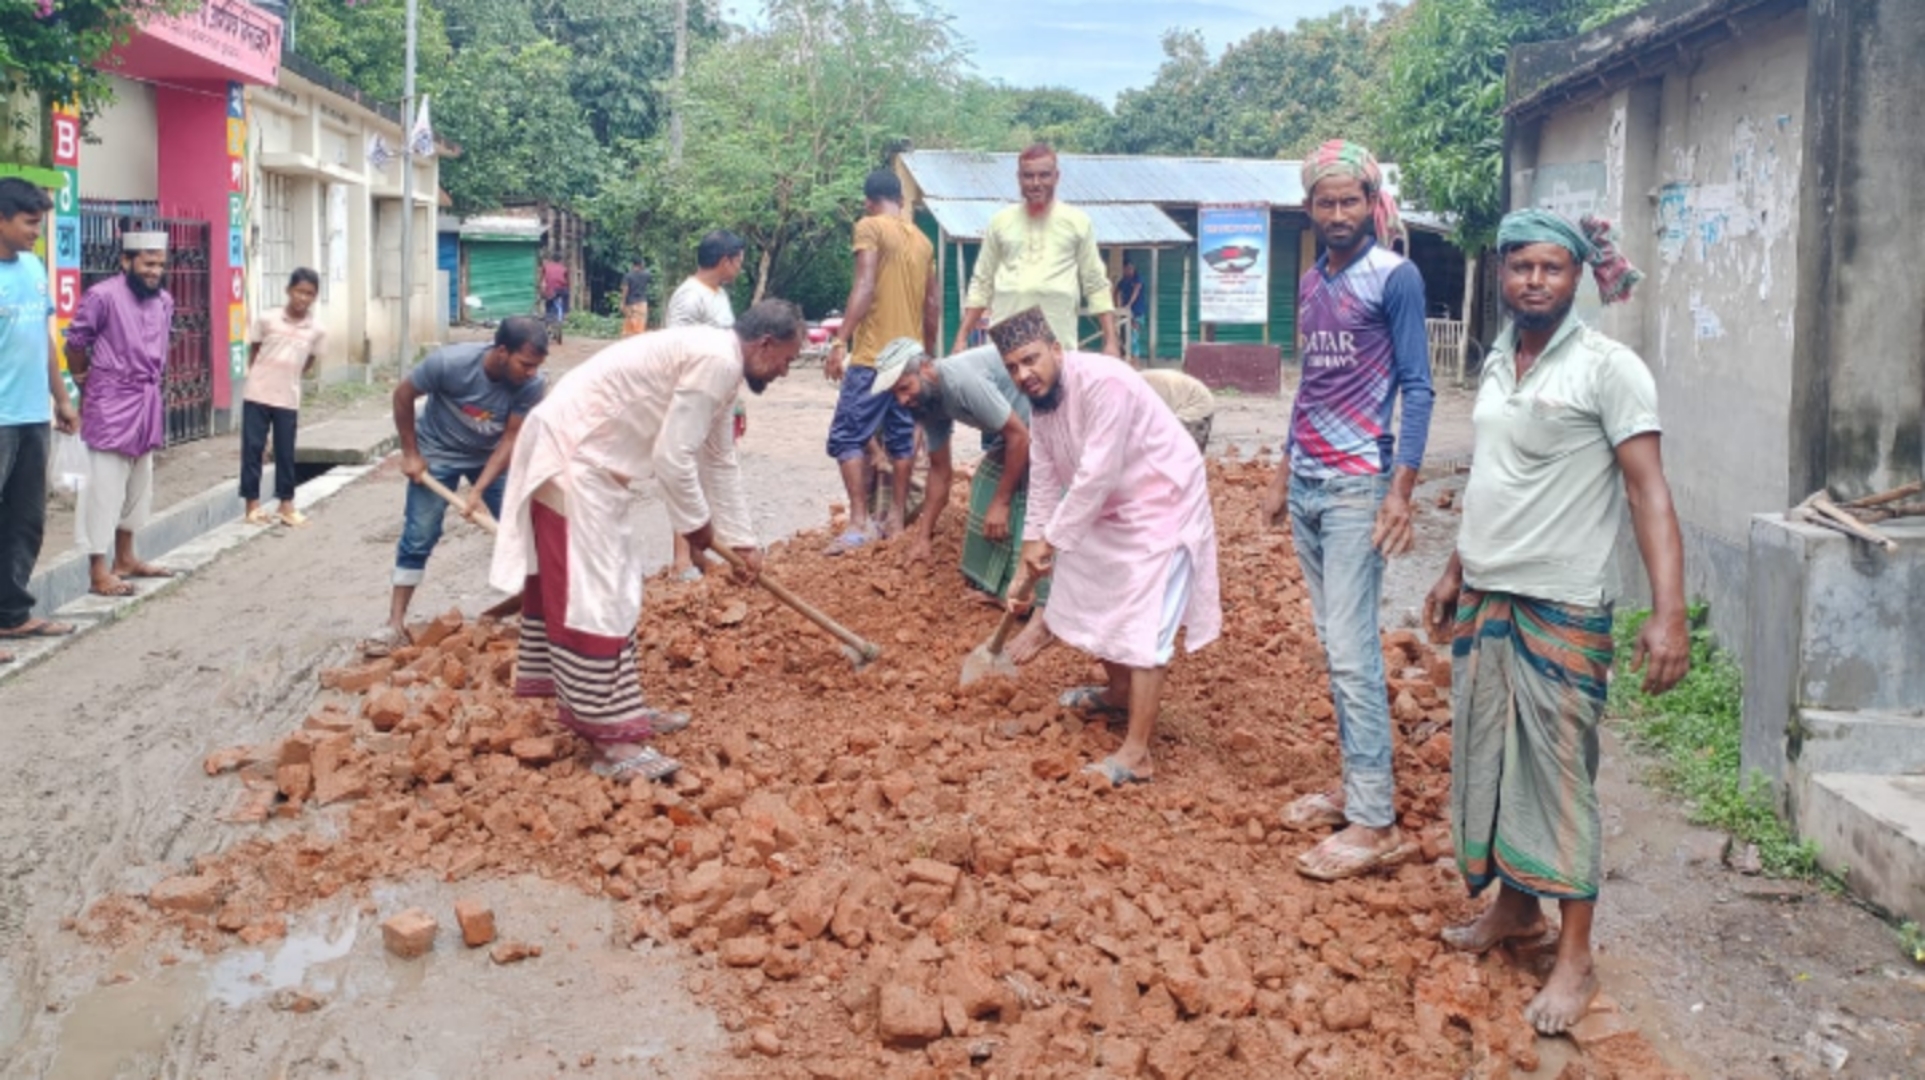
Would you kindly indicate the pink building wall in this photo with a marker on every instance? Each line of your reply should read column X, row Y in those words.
column 193, row 183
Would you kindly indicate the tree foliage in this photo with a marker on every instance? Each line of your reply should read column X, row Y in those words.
column 520, row 130
column 1065, row 119
column 1276, row 93
column 1442, row 113
column 783, row 122
column 365, row 43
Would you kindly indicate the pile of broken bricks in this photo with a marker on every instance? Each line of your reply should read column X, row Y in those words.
column 882, row 873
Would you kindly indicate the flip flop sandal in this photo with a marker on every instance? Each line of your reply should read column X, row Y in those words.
column 380, row 643
column 293, row 519
column 667, row 723
column 650, row 764
column 1116, row 774
column 1088, row 700
column 258, row 516
column 1314, row 811
column 691, row 574
column 42, row 628
column 1353, row 860
column 125, row 589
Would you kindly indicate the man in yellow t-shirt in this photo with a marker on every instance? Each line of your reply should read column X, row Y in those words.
column 894, row 295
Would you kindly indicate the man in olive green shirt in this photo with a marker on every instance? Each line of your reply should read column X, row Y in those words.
column 1567, row 427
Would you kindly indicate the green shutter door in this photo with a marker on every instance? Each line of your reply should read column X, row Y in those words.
column 501, row 273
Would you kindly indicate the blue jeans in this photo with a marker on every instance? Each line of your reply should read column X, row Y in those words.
column 1331, row 522
column 421, row 530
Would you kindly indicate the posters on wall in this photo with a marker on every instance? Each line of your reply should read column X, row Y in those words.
column 1233, row 254
column 66, row 230
column 236, row 233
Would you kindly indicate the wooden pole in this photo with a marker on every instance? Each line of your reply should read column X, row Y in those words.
column 1149, row 347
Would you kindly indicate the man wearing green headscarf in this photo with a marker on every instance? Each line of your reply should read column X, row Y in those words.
column 1567, row 432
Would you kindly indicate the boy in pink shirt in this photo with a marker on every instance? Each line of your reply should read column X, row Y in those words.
column 286, row 343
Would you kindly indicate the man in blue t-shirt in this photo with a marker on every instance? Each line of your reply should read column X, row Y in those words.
column 32, row 394
column 476, row 396
column 1345, row 487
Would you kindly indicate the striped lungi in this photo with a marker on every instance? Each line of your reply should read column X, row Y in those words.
column 990, row 565
column 593, row 677
column 1528, row 686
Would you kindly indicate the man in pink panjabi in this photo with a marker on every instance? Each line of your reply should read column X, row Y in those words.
column 1119, row 518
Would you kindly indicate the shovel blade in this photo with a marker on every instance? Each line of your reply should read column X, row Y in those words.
column 983, row 664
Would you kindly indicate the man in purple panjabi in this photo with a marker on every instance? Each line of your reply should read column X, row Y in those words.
column 117, row 352
column 1347, row 485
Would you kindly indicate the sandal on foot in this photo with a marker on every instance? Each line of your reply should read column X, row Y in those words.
column 34, row 628
column 293, row 519
column 1353, row 860
column 382, row 642
column 1319, row 810
column 650, row 764
column 849, row 541
column 1116, row 773
column 1088, row 700
column 121, row 588
column 689, row 574
column 258, row 516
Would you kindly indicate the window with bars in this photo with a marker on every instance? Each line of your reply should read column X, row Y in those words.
column 276, row 215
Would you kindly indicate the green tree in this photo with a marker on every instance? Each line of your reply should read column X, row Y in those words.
column 783, row 122
column 1162, row 117
column 520, row 131
column 1067, row 120
column 365, row 43
column 1442, row 113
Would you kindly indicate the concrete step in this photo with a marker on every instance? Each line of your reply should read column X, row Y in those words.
column 1870, row 830
column 1877, row 743
column 346, row 440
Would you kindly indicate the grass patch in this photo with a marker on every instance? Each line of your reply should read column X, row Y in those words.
column 338, row 395
column 1694, row 731
column 589, row 324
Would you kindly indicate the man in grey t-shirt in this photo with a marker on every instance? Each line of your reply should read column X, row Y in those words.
column 973, row 388
column 472, row 398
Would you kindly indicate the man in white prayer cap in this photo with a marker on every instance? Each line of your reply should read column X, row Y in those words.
column 117, row 353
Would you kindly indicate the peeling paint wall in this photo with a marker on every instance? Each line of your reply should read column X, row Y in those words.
column 1700, row 168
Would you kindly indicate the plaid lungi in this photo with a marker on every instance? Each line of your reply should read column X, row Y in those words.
column 1528, row 684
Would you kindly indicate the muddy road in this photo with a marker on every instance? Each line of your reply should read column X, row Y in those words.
column 102, row 794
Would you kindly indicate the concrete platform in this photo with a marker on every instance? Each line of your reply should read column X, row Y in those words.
column 1871, row 831
column 1882, row 743
column 346, row 440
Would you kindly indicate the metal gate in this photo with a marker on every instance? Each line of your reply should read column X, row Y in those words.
column 187, row 386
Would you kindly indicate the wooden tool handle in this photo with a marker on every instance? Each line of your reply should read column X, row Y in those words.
column 1008, row 622
column 482, row 517
column 864, row 648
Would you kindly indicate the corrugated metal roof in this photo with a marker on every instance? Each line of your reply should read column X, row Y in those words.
column 1089, row 179
column 1116, row 224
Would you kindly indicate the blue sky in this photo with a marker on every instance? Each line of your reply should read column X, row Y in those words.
column 1103, row 48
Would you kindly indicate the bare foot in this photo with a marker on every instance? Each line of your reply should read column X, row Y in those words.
column 141, row 568
column 1030, row 644
column 973, row 595
column 109, row 585
column 1494, row 927
column 1565, row 997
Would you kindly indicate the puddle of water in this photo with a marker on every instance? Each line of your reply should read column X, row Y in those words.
column 242, row 977
column 107, row 1031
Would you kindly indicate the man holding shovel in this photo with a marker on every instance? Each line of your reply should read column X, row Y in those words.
column 973, row 389
column 477, row 395
column 656, row 405
column 1119, row 519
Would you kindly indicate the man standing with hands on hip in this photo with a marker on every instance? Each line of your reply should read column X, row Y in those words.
column 1345, row 487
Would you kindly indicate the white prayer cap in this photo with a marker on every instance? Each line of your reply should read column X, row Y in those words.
column 143, row 241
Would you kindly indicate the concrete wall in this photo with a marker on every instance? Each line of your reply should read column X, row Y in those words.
column 344, row 217
column 120, row 157
column 1699, row 166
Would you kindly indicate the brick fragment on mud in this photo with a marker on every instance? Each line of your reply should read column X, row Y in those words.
column 409, row 934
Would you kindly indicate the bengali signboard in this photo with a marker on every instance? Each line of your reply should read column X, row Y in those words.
column 1233, row 259
column 236, row 35
column 66, row 229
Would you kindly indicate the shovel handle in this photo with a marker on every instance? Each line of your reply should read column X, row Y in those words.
column 1008, row 622
column 864, row 648
column 482, row 517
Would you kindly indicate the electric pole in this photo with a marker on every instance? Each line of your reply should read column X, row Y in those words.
column 406, row 336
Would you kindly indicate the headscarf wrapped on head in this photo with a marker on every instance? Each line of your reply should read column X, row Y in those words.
column 1026, row 326
column 1340, row 157
column 1591, row 241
